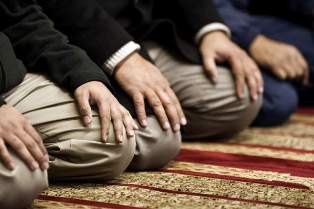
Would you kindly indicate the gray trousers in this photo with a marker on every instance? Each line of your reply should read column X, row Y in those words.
column 77, row 153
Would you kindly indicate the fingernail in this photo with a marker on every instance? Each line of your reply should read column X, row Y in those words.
column 104, row 138
column 144, row 123
column 261, row 90
column 183, row 121
column 45, row 166
column 11, row 166
column 136, row 126
column 120, row 138
column 131, row 133
column 255, row 97
column 34, row 166
column 177, row 127
column 46, row 157
column 166, row 125
column 87, row 120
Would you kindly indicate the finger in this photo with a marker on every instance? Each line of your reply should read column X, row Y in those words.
column 239, row 73
column 21, row 150
column 252, row 79
column 5, row 156
column 299, row 68
column 116, row 118
column 34, row 134
column 33, row 148
column 252, row 87
column 158, row 109
column 280, row 73
column 139, row 104
column 128, row 123
column 85, row 108
column 105, row 120
column 211, row 67
column 260, row 81
column 258, row 77
column 291, row 69
column 305, row 67
column 170, row 109
column 175, row 99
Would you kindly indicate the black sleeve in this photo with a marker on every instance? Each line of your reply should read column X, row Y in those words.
column 191, row 15
column 88, row 25
column 2, row 102
column 44, row 49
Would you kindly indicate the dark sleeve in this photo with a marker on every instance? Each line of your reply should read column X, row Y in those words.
column 2, row 102
column 88, row 25
column 193, row 15
column 242, row 25
column 44, row 49
column 298, row 7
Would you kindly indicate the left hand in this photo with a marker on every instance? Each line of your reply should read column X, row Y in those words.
column 217, row 47
column 110, row 110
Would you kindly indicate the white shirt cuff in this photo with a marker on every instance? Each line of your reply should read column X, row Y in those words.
column 110, row 64
column 210, row 28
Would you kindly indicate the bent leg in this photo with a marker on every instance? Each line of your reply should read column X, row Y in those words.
column 280, row 101
column 75, row 151
column 212, row 110
column 20, row 186
column 154, row 146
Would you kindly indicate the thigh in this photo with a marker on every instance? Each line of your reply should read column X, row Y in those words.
column 212, row 109
column 75, row 151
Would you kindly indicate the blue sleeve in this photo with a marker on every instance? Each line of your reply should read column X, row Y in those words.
column 243, row 27
column 304, row 7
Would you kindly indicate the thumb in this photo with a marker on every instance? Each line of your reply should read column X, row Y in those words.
column 211, row 68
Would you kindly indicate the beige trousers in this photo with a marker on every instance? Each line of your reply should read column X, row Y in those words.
column 75, row 151
column 213, row 111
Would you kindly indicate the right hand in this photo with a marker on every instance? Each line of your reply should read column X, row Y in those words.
column 23, row 139
column 283, row 60
column 141, row 80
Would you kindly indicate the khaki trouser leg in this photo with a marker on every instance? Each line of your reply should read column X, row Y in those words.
column 76, row 152
column 20, row 186
column 212, row 110
column 154, row 147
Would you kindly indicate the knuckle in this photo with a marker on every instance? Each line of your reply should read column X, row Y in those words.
column 31, row 145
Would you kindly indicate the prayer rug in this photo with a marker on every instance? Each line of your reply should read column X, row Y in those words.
column 259, row 168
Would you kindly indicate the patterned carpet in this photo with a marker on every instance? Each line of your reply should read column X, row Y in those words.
column 260, row 168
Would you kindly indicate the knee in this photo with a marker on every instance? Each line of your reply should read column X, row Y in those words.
column 21, row 187
column 90, row 159
column 120, row 159
column 155, row 147
column 277, row 106
column 223, row 119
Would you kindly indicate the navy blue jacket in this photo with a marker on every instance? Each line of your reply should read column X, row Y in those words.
column 242, row 15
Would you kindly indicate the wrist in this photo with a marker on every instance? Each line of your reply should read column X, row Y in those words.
column 130, row 60
column 212, row 36
column 256, row 44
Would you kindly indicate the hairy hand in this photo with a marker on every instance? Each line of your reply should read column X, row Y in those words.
column 283, row 60
column 143, row 81
column 217, row 47
column 23, row 139
column 96, row 93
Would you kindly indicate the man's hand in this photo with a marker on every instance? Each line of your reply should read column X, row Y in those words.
column 217, row 47
column 141, row 80
column 23, row 139
column 283, row 60
column 96, row 93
